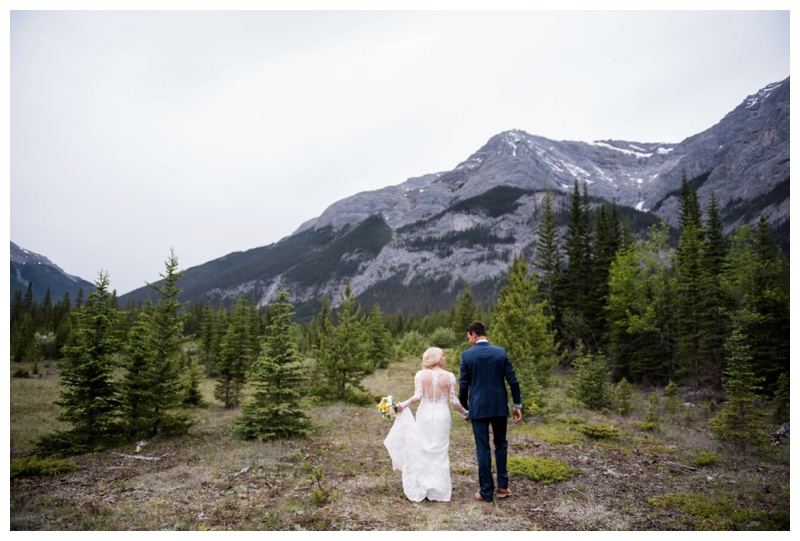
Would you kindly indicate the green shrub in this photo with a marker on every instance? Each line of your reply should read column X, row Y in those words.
column 647, row 426
column 444, row 338
column 21, row 373
column 541, row 470
column 600, row 431
column 412, row 344
column 706, row 459
column 35, row 466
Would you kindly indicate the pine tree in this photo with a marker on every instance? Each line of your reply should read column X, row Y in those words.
column 622, row 397
column 236, row 355
column 608, row 239
column 521, row 325
column 740, row 421
column 755, row 285
column 714, row 324
column 780, row 399
column 152, row 385
column 591, row 384
column 274, row 409
column 465, row 312
column 381, row 349
column 690, row 281
column 343, row 356
column 192, row 395
column 548, row 260
column 209, row 338
column 769, row 339
column 577, row 280
column 89, row 399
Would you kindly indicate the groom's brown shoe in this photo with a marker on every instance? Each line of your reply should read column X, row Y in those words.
column 503, row 493
column 480, row 498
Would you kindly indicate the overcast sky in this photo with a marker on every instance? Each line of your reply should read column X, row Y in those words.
column 134, row 132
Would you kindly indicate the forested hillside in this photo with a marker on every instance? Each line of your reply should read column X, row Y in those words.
column 604, row 324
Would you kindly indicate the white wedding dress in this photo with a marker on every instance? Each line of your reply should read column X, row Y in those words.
column 420, row 447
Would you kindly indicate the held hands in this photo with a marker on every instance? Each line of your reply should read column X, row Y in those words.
column 399, row 408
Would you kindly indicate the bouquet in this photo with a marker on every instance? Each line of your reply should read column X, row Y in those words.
column 388, row 407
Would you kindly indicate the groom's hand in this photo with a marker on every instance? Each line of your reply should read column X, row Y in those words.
column 517, row 415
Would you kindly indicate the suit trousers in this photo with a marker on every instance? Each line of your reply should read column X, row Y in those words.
column 480, row 428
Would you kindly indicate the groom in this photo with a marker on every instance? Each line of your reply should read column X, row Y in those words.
column 484, row 370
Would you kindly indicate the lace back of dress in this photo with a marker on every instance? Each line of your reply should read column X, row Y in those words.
column 434, row 388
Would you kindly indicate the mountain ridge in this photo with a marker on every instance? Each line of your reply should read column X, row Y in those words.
column 424, row 238
column 29, row 267
column 742, row 158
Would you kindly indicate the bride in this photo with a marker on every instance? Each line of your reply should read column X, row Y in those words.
column 420, row 447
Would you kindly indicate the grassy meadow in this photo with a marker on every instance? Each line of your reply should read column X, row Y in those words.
column 572, row 470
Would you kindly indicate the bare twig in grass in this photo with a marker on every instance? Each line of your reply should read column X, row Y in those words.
column 141, row 457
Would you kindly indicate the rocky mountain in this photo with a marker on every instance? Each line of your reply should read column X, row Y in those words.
column 28, row 267
column 412, row 246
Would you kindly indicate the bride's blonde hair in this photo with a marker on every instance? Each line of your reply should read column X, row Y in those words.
column 431, row 357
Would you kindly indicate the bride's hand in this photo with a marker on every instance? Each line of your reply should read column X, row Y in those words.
column 399, row 408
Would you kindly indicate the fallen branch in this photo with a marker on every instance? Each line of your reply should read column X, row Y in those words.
column 140, row 457
column 680, row 467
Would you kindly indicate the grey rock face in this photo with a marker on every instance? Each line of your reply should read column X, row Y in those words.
column 741, row 158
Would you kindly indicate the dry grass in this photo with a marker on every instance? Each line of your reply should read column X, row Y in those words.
column 209, row 480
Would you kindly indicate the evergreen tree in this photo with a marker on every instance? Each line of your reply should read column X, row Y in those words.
column 756, row 288
column 690, row 281
column 591, row 383
column 740, row 420
column 689, row 212
column 342, row 359
column 135, row 384
column 274, row 410
column 769, row 339
column 23, row 340
column 622, row 397
column 236, row 356
column 714, row 325
column 89, row 398
column 153, row 384
column 46, row 314
column 209, row 338
column 780, row 400
column 548, row 260
column 16, row 307
column 578, row 274
column 521, row 325
column 192, row 395
column 381, row 349
column 608, row 239
column 465, row 312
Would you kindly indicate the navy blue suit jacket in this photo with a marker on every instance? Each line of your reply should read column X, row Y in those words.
column 485, row 369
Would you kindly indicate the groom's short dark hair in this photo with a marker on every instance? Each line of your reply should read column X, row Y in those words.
column 476, row 327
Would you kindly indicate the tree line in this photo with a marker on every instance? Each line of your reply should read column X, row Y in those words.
column 707, row 312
